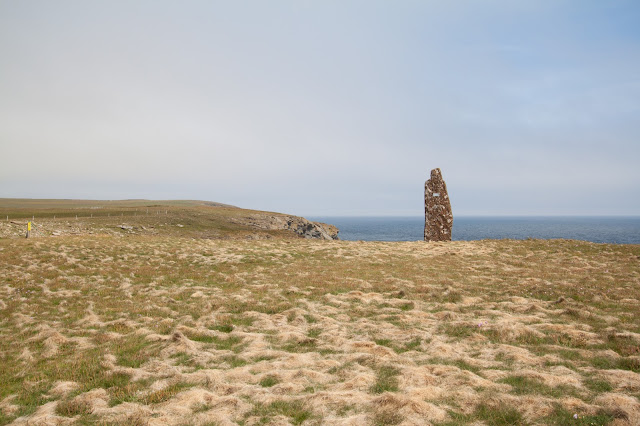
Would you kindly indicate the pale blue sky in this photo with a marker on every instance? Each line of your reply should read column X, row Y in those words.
column 325, row 107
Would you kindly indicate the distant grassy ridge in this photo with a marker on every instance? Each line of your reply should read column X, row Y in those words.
column 184, row 218
column 25, row 207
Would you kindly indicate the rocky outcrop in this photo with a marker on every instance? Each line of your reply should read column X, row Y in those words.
column 298, row 225
column 438, row 217
column 308, row 229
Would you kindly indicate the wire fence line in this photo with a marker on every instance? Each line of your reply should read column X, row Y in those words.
column 84, row 215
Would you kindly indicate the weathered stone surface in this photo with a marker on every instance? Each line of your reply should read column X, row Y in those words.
column 308, row 229
column 438, row 217
column 299, row 225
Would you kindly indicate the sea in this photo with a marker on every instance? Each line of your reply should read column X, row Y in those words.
column 614, row 230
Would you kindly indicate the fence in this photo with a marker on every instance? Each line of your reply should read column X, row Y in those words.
column 85, row 215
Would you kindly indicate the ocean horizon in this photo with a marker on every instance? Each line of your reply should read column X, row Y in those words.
column 597, row 229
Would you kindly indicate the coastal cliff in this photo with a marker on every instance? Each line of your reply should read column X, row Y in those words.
column 301, row 226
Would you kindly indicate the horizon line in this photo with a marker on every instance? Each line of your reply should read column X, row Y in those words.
column 479, row 215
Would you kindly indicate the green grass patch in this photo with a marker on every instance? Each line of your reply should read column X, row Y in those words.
column 111, row 380
column 459, row 331
column 522, row 385
column 224, row 328
column 314, row 332
column 597, row 385
column 229, row 343
column 31, row 386
column 623, row 345
column 269, row 381
column 407, row 306
column 383, row 342
column 622, row 363
column 299, row 346
column 310, row 318
column 412, row 345
column 562, row 416
column 234, row 361
column 242, row 320
column 499, row 415
column 182, row 358
column 202, row 338
column 134, row 350
column 297, row 411
column 386, row 380
column 130, row 392
column 569, row 354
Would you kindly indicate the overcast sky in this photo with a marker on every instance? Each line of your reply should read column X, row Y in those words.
column 325, row 107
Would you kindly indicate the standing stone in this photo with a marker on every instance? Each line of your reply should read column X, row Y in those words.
column 438, row 218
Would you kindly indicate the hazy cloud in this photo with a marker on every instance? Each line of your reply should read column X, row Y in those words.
column 321, row 108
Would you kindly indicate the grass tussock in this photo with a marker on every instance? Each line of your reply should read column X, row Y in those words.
column 72, row 407
column 164, row 394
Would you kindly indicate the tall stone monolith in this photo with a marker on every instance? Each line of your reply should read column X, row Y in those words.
column 438, row 218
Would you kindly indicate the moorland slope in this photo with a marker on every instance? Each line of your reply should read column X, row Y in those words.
column 183, row 218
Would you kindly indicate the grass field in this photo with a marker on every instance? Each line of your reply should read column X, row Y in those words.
column 118, row 328
column 181, row 218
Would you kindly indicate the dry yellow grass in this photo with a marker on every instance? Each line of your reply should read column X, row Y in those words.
column 169, row 330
